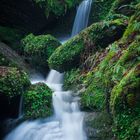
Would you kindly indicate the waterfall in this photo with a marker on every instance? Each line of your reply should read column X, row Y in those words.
column 66, row 123
column 81, row 19
column 67, row 120
column 82, row 16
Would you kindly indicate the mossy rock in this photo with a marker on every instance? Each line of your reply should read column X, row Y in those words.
column 38, row 49
column 37, row 101
column 98, row 35
column 67, row 55
column 126, row 94
column 13, row 82
column 102, row 34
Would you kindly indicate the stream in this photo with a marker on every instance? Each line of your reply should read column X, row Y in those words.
column 67, row 121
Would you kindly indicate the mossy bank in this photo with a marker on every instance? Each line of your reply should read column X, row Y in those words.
column 106, row 73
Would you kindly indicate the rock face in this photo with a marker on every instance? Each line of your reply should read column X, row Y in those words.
column 32, row 15
column 9, row 57
column 98, row 126
column 23, row 14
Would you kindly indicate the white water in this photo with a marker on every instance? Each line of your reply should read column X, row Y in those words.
column 82, row 16
column 67, row 121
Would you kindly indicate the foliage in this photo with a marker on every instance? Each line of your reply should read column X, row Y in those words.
column 37, row 101
column 134, row 26
column 72, row 79
column 125, row 103
column 38, row 49
column 97, row 36
column 124, row 7
column 120, row 98
column 127, row 125
column 111, row 81
column 57, row 7
column 100, row 9
column 13, row 82
column 67, row 56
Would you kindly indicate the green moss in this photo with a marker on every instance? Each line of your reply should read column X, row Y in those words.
column 100, row 9
column 109, row 72
column 38, row 49
column 13, row 82
column 93, row 98
column 67, row 56
column 57, row 7
column 111, row 76
column 73, row 79
column 121, row 93
column 124, row 7
column 103, row 33
column 37, row 101
column 98, row 81
column 129, row 58
column 134, row 26
column 125, row 104
column 98, row 35
column 127, row 125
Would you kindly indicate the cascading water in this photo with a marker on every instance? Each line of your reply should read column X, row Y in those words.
column 82, row 16
column 81, row 19
column 67, row 121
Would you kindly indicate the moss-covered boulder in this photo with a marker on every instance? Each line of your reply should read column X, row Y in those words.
column 77, row 49
column 38, row 49
column 126, row 94
column 37, row 101
column 125, row 105
column 13, row 82
column 67, row 55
